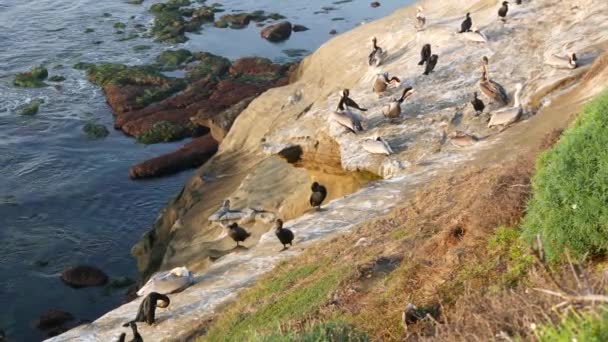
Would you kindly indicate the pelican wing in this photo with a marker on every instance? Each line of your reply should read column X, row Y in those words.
column 376, row 147
column 558, row 62
column 347, row 120
column 505, row 116
column 475, row 36
column 165, row 283
column 494, row 91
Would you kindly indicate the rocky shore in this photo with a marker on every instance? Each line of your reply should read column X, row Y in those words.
column 282, row 140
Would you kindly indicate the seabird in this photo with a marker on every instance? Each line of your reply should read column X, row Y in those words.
column 167, row 282
column 237, row 233
column 475, row 35
column 430, row 64
column 382, row 82
column 494, row 91
column 348, row 102
column 420, row 19
column 569, row 61
column 377, row 55
column 346, row 118
column 425, row 54
column 136, row 336
column 507, row 116
column 147, row 308
column 377, row 145
column 393, row 108
column 466, row 24
column 318, row 195
column 502, row 11
column 477, row 104
column 285, row 235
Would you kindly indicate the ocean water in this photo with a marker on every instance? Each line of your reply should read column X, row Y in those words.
column 65, row 199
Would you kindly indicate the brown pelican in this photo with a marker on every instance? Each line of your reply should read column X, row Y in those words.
column 569, row 61
column 377, row 145
column 420, row 19
column 475, row 36
column 377, row 55
column 506, row 116
column 393, row 108
column 346, row 118
column 382, row 82
column 168, row 281
column 494, row 91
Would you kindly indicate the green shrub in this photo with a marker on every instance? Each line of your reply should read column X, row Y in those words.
column 588, row 327
column 320, row 332
column 569, row 205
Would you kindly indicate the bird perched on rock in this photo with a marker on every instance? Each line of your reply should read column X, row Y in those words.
column 420, row 19
column 237, row 233
column 425, row 54
column 376, row 57
column 147, row 308
column 285, row 235
column 430, row 64
column 466, row 24
column 503, row 10
column 318, row 195
column 348, row 102
column 136, row 336
column 477, row 104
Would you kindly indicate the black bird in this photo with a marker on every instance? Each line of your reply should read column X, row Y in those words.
column 122, row 337
column 477, row 104
column 425, row 54
column 430, row 64
column 318, row 195
column 502, row 11
column 147, row 308
column 466, row 24
column 518, row 2
column 238, row 234
column 348, row 102
column 285, row 235
column 136, row 336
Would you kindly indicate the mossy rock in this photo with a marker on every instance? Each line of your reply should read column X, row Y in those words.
column 139, row 48
column 32, row 78
column 129, row 37
column 163, row 131
column 186, row 12
column 205, row 14
column 57, row 78
column 119, row 25
column 88, row 30
column 95, row 131
column 173, row 59
column 296, row 52
column 210, row 66
column 31, row 108
column 169, row 25
column 82, row 66
column 135, row 2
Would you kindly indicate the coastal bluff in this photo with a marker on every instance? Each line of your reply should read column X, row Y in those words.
column 283, row 141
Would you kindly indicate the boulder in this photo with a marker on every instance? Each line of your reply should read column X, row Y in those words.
column 220, row 124
column 332, row 32
column 32, row 78
column 95, row 131
column 299, row 28
column 53, row 318
column 277, row 32
column 83, row 276
column 191, row 155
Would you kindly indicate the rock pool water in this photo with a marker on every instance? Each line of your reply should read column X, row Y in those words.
column 66, row 199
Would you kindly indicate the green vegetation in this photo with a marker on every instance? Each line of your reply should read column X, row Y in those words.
column 163, row 131
column 31, row 108
column 293, row 294
column 320, row 332
column 32, row 78
column 209, row 65
column 119, row 25
column 241, row 20
column 588, row 327
column 57, row 78
column 173, row 59
column 569, row 207
column 95, row 131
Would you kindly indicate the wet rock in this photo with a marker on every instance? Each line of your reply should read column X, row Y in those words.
column 88, row 30
column 296, row 52
column 332, row 32
column 240, row 20
column 173, row 59
column 83, row 276
column 191, row 155
column 56, row 331
column 56, row 78
column 95, row 131
column 32, row 78
column 53, row 318
column 277, row 32
column 209, row 66
column 31, row 108
column 119, row 25
column 375, row 4
column 163, row 131
column 461, row 139
column 299, row 28
column 139, row 48
column 220, row 124
column 135, row 2
column 169, row 25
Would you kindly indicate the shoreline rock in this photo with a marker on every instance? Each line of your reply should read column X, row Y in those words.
column 31, row 79
column 277, row 32
column 83, row 276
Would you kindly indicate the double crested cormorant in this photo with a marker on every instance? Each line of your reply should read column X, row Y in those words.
column 136, row 336
column 466, row 24
column 430, row 64
column 425, row 54
column 382, row 82
column 507, row 116
column 494, row 91
column 345, row 118
column 377, row 55
column 477, row 104
column 503, row 10
column 393, row 108
column 285, row 235
column 237, row 233
column 147, row 308
column 377, row 145
column 318, row 195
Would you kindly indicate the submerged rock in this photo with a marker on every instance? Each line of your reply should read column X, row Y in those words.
column 277, row 32
column 173, row 59
column 95, row 131
column 53, row 318
column 57, row 78
column 32, row 78
column 300, row 28
column 121, row 282
column 31, row 108
column 375, row 4
column 83, row 276
column 191, row 155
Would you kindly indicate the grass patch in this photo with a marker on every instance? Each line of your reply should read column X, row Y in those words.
column 569, row 206
column 329, row 331
column 588, row 327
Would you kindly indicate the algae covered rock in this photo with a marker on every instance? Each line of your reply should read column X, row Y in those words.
column 31, row 108
column 95, row 131
column 173, row 59
column 32, row 78
column 83, row 276
column 57, row 78
column 53, row 318
column 208, row 66
column 163, row 131
column 277, row 32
